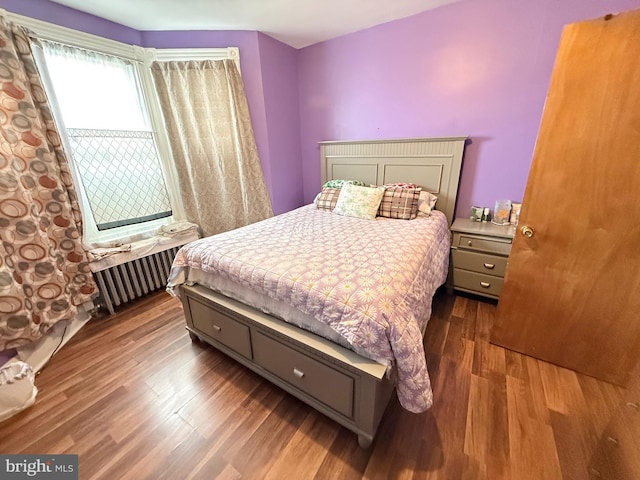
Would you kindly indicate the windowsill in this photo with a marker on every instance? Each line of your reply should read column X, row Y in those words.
column 128, row 234
column 143, row 248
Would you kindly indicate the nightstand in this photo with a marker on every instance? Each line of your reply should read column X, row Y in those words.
column 479, row 254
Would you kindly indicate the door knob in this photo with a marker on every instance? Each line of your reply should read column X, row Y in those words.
column 527, row 231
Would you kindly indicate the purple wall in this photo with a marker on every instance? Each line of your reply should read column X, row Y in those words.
column 478, row 67
column 280, row 86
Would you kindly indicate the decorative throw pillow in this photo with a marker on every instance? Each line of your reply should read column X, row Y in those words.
column 427, row 202
column 360, row 202
column 402, row 185
column 327, row 198
column 401, row 203
column 340, row 183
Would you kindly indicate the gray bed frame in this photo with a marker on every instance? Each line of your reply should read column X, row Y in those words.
column 348, row 388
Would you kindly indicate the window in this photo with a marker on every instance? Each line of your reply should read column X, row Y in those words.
column 137, row 109
column 113, row 150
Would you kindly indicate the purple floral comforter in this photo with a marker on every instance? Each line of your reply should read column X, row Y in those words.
column 372, row 281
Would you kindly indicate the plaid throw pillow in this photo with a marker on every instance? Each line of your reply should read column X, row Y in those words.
column 401, row 203
column 328, row 198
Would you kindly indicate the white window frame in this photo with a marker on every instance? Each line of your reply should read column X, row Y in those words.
column 142, row 58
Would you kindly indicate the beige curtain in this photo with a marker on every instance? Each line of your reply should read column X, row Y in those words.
column 207, row 118
column 44, row 274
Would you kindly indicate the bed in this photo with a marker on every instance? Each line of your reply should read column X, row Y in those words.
column 332, row 308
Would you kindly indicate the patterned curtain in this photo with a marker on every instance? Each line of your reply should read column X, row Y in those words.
column 44, row 272
column 207, row 119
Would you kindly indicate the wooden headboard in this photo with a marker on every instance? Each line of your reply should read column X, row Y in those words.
column 432, row 163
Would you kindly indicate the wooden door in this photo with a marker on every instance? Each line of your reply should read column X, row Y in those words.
column 571, row 293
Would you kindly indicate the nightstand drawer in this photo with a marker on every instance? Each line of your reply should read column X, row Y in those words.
column 477, row 282
column 479, row 262
column 482, row 244
column 479, row 255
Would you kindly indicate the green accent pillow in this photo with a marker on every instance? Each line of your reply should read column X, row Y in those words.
column 340, row 183
column 357, row 201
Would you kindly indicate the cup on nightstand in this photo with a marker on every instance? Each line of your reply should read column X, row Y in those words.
column 476, row 214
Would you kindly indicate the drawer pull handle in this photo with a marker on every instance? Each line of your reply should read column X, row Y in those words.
column 469, row 243
column 612, row 440
column 298, row 373
column 635, row 405
column 489, row 266
column 216, row 328
column 485, row 284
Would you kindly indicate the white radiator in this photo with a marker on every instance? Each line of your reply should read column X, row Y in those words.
column 122, row 283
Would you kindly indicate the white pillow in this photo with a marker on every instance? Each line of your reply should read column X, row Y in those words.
column 427, row 202
column 359, row 202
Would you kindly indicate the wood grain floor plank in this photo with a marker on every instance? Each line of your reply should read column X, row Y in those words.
column 479, row 422
column 406, row 455
column 514, row 365
column 135, row 398
column 210, row 408
column 461, row 306
column 234, row 433
column 536, row 403
column 300, row 458
column 498, row 453
column 254, row 457
column 486, row 313
column 156, row 458
column 451, row 388
column 344, row 459
column 572, row 426
column 434, row 343
column 562, row 390
column 229, row 473
column 530, row 440
column 599, row 397
column 212, row 466
column 140, row 454
column 93, row 453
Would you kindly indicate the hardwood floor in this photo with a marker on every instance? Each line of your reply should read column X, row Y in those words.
column 135, row 398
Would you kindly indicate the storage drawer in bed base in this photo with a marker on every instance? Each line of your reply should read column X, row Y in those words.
column 305, row 373
column 362, row 390
column 220, row 328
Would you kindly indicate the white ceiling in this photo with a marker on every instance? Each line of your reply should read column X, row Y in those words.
column 295, row 22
